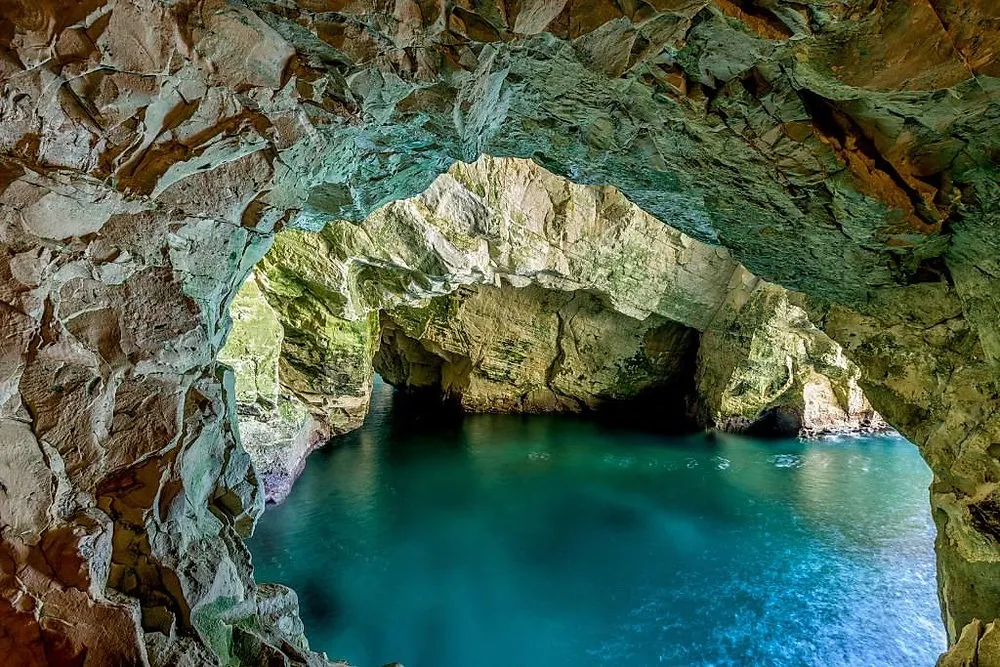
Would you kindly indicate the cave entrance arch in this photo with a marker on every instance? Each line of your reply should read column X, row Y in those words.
column 139, row 186
column 504, row 288
column 412, row 258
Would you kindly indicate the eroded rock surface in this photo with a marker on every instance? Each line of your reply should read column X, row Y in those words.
column 842, row 149
column 276, row 428
column 503, row 349
column 764, row 367
column 509, row 219
column 978, row 644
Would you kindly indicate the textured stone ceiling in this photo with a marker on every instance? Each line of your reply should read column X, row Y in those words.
column 149, row 148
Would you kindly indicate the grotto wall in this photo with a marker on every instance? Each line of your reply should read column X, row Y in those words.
column 530, row 349
column 509, row 222
column 764, row 367
column 276, row 428
column 846, row 150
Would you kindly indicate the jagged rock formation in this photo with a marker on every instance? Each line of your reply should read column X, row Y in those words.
column 276, row 428
column 325, row 358
column 534, row 350
column 978, row 644
column 482, row 223
column 149, row 149
column 764, row 367
column 301, row 378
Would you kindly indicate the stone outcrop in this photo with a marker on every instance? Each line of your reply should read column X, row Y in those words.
column 511, row 220
column 275, row 427
column 978, row 644
column 125, row 494
column 492, row 221
column 846, row 150
column 326, row 358
column 303, row 376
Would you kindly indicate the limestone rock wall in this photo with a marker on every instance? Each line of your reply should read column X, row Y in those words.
column 846, row 150
column 275, row 427
column 125, row 493
column 533, row 349
column 502, row 219
column 129, row 164
column 326, row 358
column 489, row 222
column 979, row 644
column 764, row 367
column 321, row 361
column 253, row 346
column 512, row 220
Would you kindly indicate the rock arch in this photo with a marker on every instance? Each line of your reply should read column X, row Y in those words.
column 150, row 149
column 626, row 314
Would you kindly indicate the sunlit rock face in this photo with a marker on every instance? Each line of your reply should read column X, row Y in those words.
column 303, row 376
column 842, row 149
column 510, row 220
column 503, row 349
column 276, row 428
column 979, row 644
column 763, row 367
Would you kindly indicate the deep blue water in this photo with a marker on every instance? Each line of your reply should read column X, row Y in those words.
column 505, row 541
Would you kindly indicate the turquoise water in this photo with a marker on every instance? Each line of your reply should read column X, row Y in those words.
column 523, row 542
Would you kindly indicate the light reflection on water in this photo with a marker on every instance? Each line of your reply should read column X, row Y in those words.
column 508, row 541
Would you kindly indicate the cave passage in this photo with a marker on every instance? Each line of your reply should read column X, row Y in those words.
column 546, row 540
column 845, row 153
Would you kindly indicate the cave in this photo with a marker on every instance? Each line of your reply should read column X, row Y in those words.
column 844, row 153
column 504, row 288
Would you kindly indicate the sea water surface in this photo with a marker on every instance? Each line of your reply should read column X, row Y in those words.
column 504, row 541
